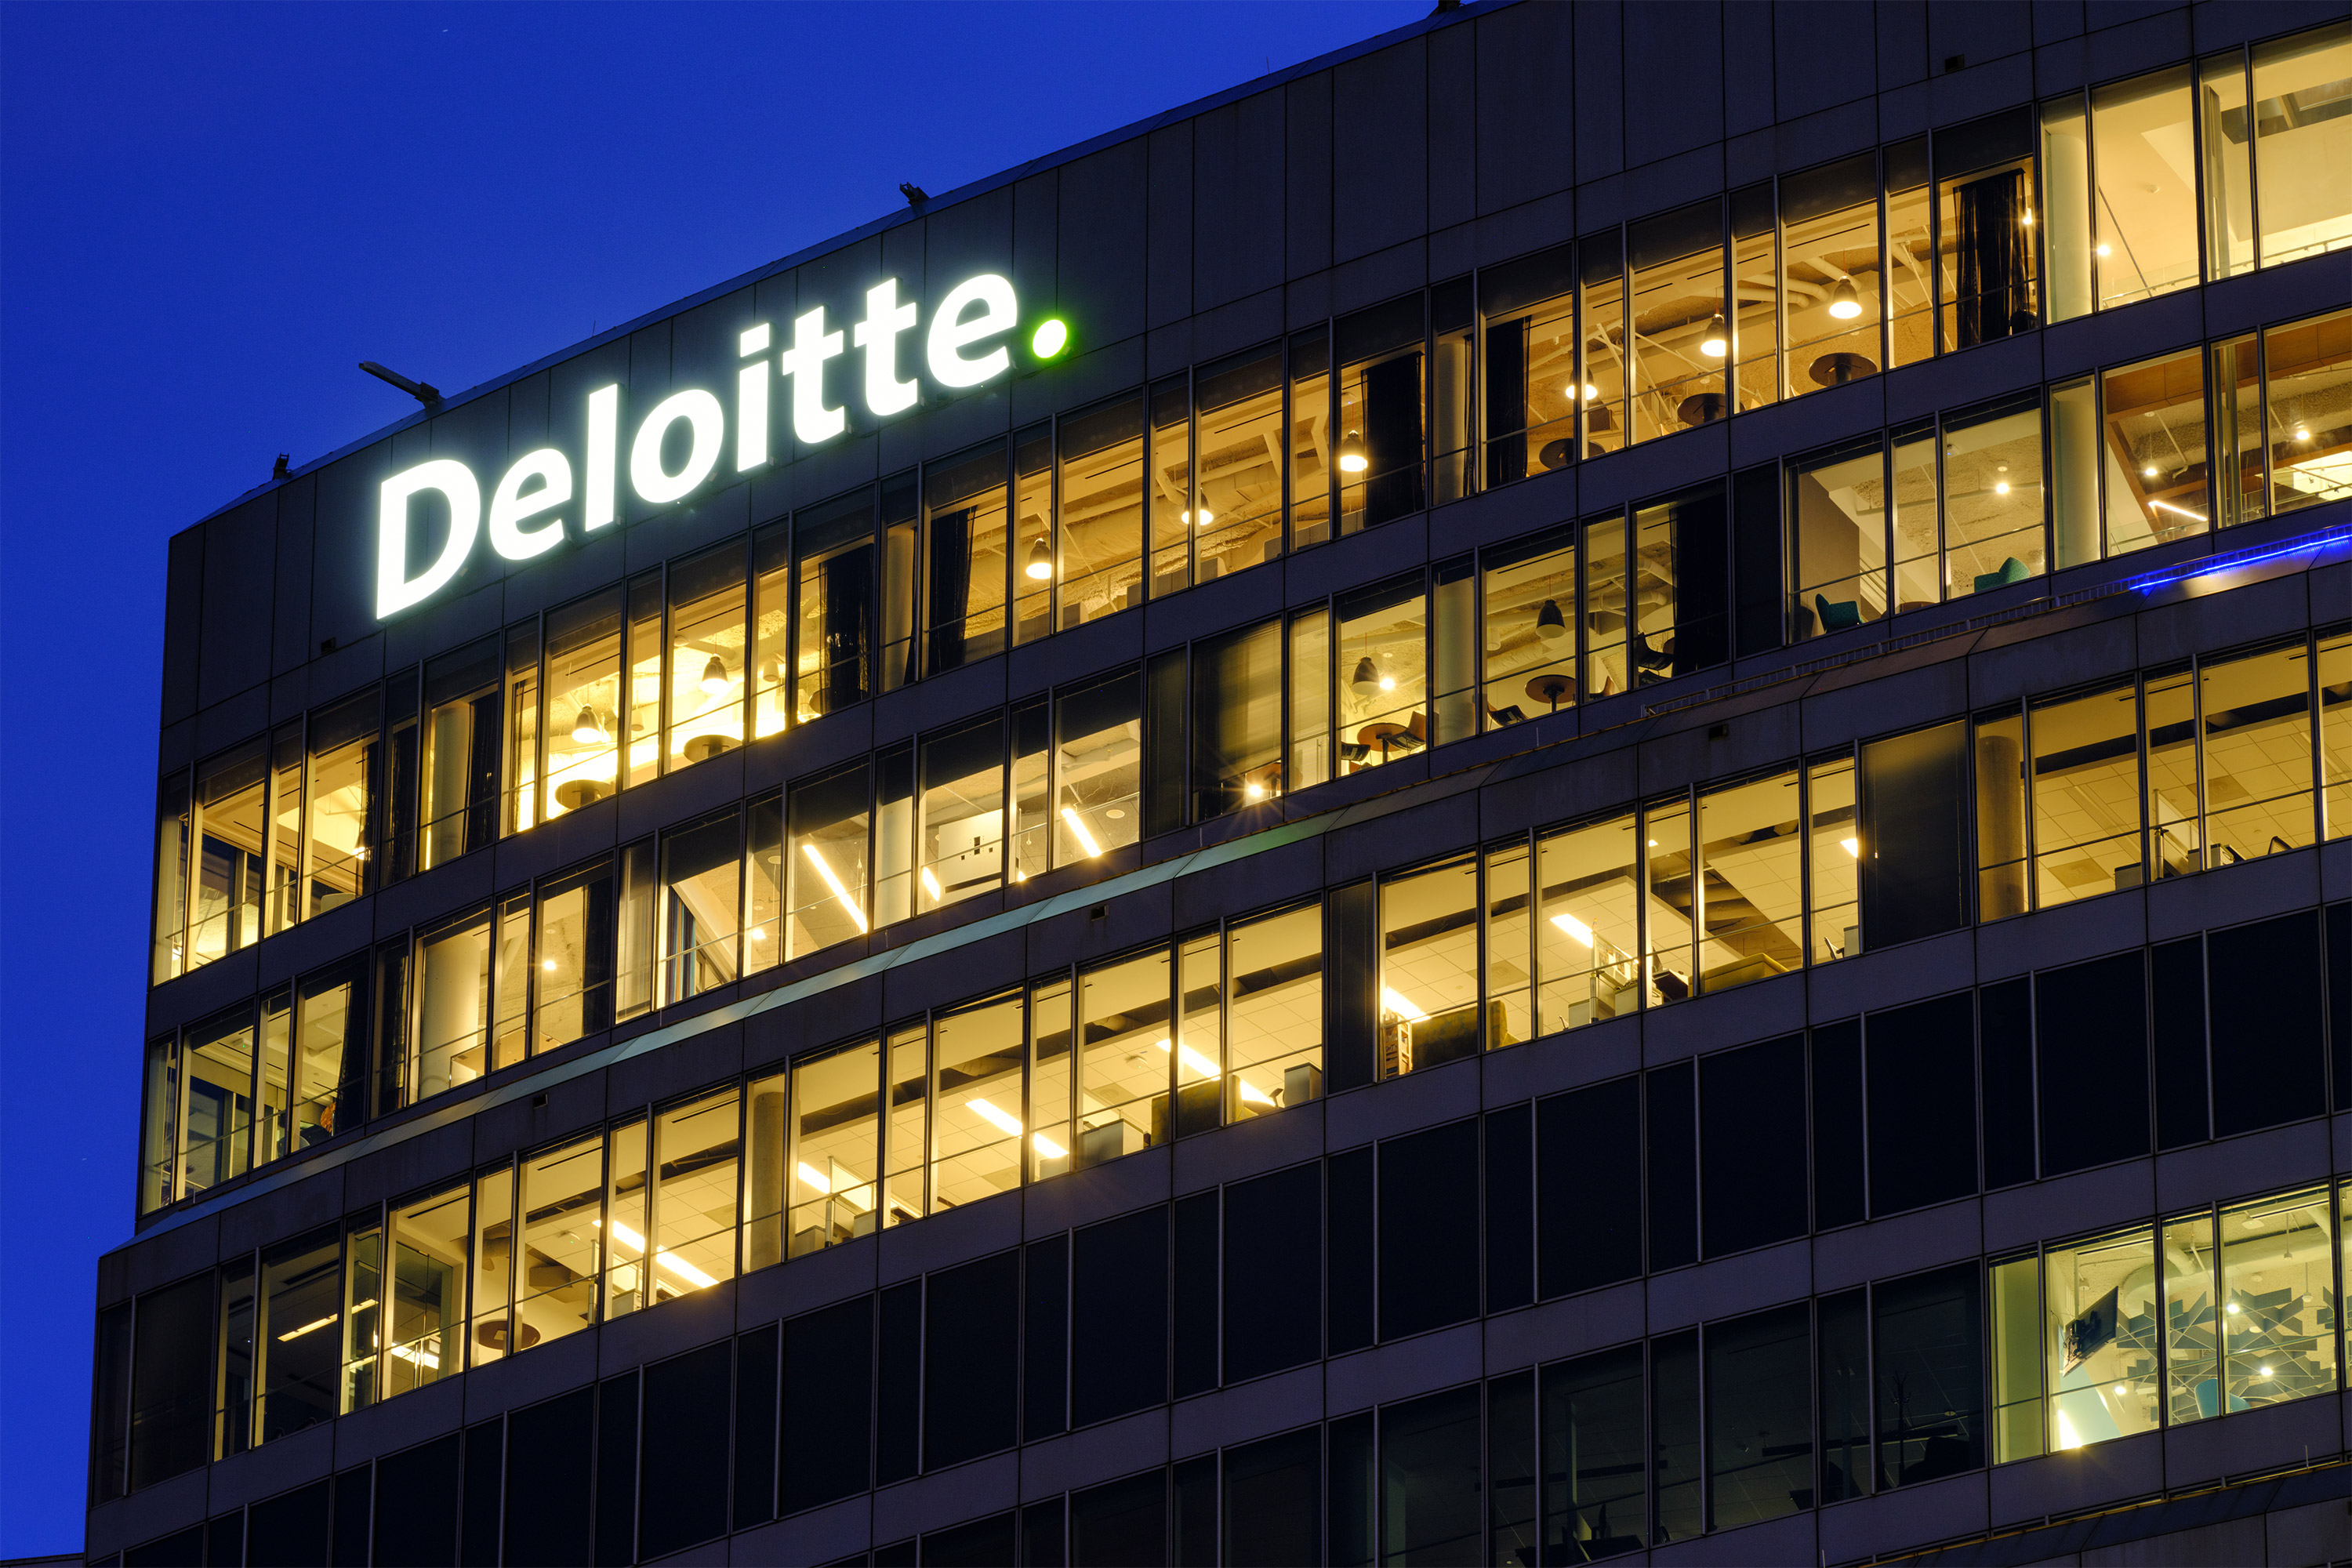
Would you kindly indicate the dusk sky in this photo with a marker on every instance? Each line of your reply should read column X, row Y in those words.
column 207, row 216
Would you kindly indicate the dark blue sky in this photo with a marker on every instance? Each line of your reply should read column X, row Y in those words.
column 207, row 216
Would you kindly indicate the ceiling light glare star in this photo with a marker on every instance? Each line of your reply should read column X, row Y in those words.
column 1052, row 336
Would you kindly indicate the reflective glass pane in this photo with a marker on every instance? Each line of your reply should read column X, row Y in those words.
column 2145, row 210
column 2303, row 142
column 425, row 1322
column 1527, row 660
column 2278, row 1300
column 1274, row 1026
column 1752, row 882
column 1587, row 936
column 696, row 1148
column 583, row 704
column 556, row 1270
column 836, row 1147
column 2155, row 457
column 2308, row 415
column 2257, row 729
column 2086, row 796
column 1124, row 1035
column 1429, row 968
column 976, row 1126
column 2102, row 1337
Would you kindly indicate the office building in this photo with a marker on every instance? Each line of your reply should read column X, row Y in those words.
column 1580, row 785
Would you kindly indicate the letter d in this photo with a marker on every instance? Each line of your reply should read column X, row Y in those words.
column 395, row 589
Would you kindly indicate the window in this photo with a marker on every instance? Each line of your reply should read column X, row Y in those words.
column 494, row 1277
column 1588, row 938
column 1910, row 252
column 459, row 772
column 1992, row 495
column 1118, row 1316
column 1382, row 644
column 628, row 1284
column 216, row 1065
column 827, row 899
column 2091, row 1021
column 1100, row 453
column 1381, row 413
column 1984, row 180
column 702, row 873
column 585, row 709
column 1273, row 1502
column 1670, row 907
column 1829, row 274
column 835, row 547
column 961, row 827
column 771, row 678
column 763, row 882
column 1049, row 1079
column 1602, row 636
column 2240, row 491
column 234, row 853
column 424, row 1319
column 976, row 1123
column 2100, row 1349
column 1676, row 1440
column 1168, row 500
column 1589, row 1187
column 707, row 644
column 171, row 1364
column 682, row 1478
column 1506, row 977
column 1123, row 1056
column 1760, row 1417
column 576, row 916
column 828, row 1378
column 1752, row 917
column 1429, row 968
column 1311, row 700
column 1678, row 343
column 1272, row 1279
column 836, row 1141
column 2276, row 1327
column 172, row 841
column 1755, row 309
column 1751, row 1151
column 1838, row 511
column 1913, row 814
column 2085, row 787
column 1926, row 1348
column 1681, row 615
column 1311, row 440
column 641, row 722
column 1527, row 665
column 1234, row 517
column 2144, row 211
column 1032, row 535
column 1601, row 315
column 2304, row 425
column 556, row 1271
column 1097, row 767
column 697, row 1149
column 302, row 1309
column 906, row 1146
column 2255, row 729
column 1529, row 369
column 1236, row 720
column 2017, row 1332
column 1920, row 1065
column 970, row 1384
column 1594, row 1458
column 2302, row 144
column 965, row 559
column 452, row 1002
column 2155, row 452
column 233, row 1368
column 2336, row 734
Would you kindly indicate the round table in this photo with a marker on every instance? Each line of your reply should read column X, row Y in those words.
column 1700, row 409
column 1551, row 689
column 1837, row 369
column 576, row 793
column 1379, row 735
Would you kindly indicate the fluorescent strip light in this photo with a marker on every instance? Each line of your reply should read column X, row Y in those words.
column 834, row 883
column 1194, row 1059
column 1047, row 1147
column 1852, row 847
column 424, row 1359
column 1575, row 928
column 669, row 1260
column 2184, row 511
column 1079, row 828
column 1400, row 1006
column 930, row 884
column 305, row 1329
column 1251, row 1092
column 814, row 1178
column 1008, row 1125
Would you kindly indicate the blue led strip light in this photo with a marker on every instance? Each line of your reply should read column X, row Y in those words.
column 2301, row 544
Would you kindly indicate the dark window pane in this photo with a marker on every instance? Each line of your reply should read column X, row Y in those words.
column 1756, row 557
column 1350, row 971
column 109, row 1422
column 1196, row 1512
column 1511, row 1500
column 1673, row 1438
column 477, row 1544
column 418, row 1523
column 755, row 1427
column 290, row 1531
column 171, row 1396
column 971, row 1361
column 1594, row 1469
column 616, row 1471
column 828, row 1388
column 1273, row 1502
column 1430, row 1494
column 1837, row 1125
column 1273, row 1288
column 1589, row 1187
column 2339, row 999
column 1752, row 1124
column 1930, row 1376
column 1195, row 1350
column 1123, row 1524
column 1043, row 1528
column 1164, row 766
column 548, row 1492
column 1914, row 801
column 1673, row 1165
column 983, row 1543
column 1045, row 1339
column 1348, row 1226
column 898, row 1554
column 1428, row 1245
column 1510, row 1207
column 225, row 1540
column 1760, row 1416
column 185, row 1549
column 1118, row 1316
column 685, row 1463
column 1354, row 1528
column 2005, row 1046
column 2269, row 1059
column 898, row 1384
column 2179, row 983
column 354, row 1492
column 1845, row 1395
column 2091, row 1023
column 1922, row 1078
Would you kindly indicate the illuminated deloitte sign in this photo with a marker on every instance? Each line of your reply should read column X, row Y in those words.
column 526, row 514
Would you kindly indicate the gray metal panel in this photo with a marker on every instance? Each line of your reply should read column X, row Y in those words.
column 1669, row 44
column 1452, row 127
column 1100, row 287
column 239, row 579
column 1381, row 152
column 1600, row 102
column 1527, row 74
column 1306, row 152
column 290, row 644
column 1824, row 52
column 1170, row 244
column 1238, row 201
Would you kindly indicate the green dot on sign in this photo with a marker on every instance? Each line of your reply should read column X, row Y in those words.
column 1051, row 338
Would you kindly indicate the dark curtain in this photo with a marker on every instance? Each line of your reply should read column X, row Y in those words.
column 1507, row 402
column 1393, row 439
column 1702, row 582
column 847, row 586
column 596, row 957
column 1993, row 297
column 949, row 595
